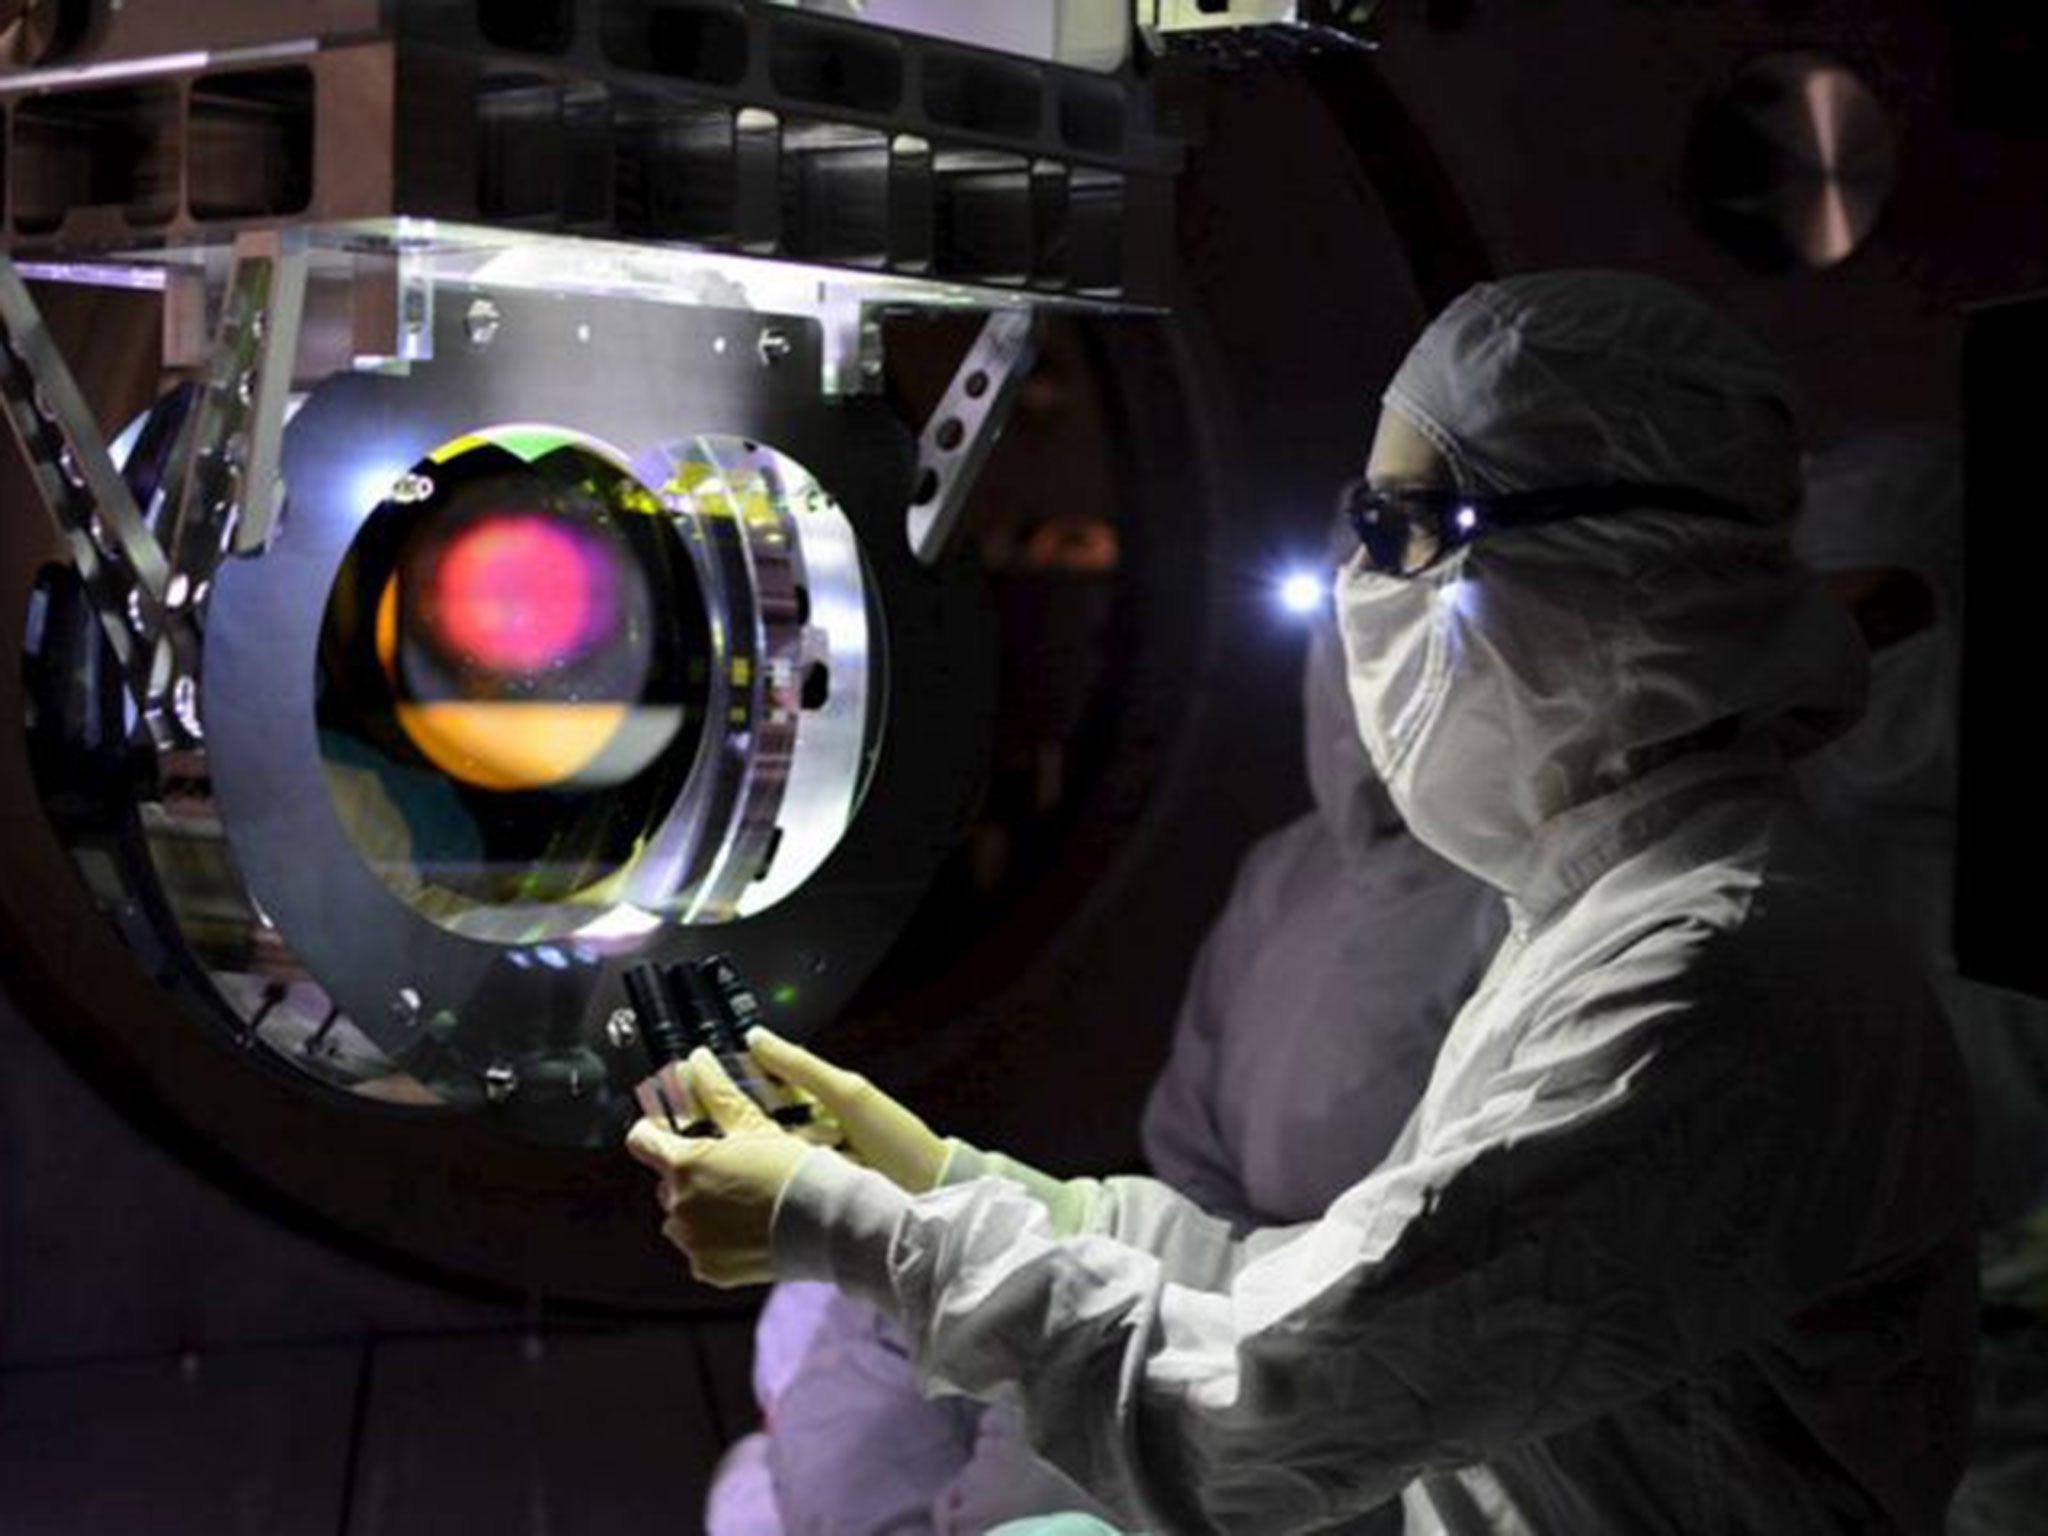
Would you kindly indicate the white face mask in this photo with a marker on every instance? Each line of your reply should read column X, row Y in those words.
column 1396, row 633
column 1484, row 691
column 1429, row 710
column 1539, row 670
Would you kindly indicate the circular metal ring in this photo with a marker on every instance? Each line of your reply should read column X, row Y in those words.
column 496, row 1018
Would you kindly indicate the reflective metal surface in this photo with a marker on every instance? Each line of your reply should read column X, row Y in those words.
column 538, row 672
column 1086, row 34
column 964, row 426
column 426, row 1053
column 827, row 138
column 1793, row 163
column 36, row 32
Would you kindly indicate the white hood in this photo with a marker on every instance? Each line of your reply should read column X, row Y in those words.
column 1894, row 499
column 1543, row 670
column 1887, row 789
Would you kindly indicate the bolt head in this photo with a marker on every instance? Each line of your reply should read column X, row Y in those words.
column 622, row 1029
column 185, row 707
column 482, row 321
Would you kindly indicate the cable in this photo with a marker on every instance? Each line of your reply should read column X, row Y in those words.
column 358, row 1423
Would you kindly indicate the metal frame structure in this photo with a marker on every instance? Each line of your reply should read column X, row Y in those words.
column 744, row 127
column 364, row 197
column 150, row 589
column 292, row 195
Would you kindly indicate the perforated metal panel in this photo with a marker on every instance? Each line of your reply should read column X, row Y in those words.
column 728, row 125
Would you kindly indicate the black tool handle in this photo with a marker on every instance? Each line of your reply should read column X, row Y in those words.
column 665, row 1035
column 713, row 1030
column 737, row 1010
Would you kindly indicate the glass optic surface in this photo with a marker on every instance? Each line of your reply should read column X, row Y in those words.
column 564, row 695
column 511, row 682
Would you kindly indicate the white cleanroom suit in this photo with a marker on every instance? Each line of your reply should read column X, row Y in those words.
column 1318, row 1001
column 1893, row 502
column 1311, row 1018
column 1678, row 1239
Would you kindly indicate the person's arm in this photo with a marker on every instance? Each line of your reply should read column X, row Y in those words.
column 1192, row 1247
column 1647, row 1183
column 887, row 1137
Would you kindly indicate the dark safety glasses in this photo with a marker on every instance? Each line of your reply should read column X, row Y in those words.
column 1404, row 530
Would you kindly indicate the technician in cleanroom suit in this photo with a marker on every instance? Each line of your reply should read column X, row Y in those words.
column 1883, row 523
column 1311, row 1018
column 1678, row 1239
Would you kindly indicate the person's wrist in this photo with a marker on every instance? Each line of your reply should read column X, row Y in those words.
column 781, row 1201
column 962, row 1163
column 834, row 1221
column 927, row 1166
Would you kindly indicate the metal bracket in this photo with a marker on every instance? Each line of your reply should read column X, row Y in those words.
column 416, row 300
column 1165, row 17
column 850, row 332
column 1339, row 22
column 964, row 427
column 226, row 467
column 146, row 589
column 119, row 560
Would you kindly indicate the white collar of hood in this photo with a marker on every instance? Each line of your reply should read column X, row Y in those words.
column 1530, row 700
column 1576, row 847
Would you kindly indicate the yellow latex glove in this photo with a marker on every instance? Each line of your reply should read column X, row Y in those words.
column 717, row 1193
column 878, row 1131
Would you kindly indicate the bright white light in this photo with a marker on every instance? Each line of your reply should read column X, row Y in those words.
column 1302, row 593
column 1466, row 519
column 625, row 921
column 376, row 483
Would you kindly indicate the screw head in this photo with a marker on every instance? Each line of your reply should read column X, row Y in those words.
column 481, row 322
column 501, row 1081
column 622, row 1029
column 185, row 706
column 405, row 1007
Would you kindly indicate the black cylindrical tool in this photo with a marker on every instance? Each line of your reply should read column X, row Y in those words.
column 734, row 1010
column 666, row 1035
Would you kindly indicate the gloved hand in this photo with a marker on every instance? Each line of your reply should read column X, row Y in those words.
column 879, row 1132
column 718, row 1193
